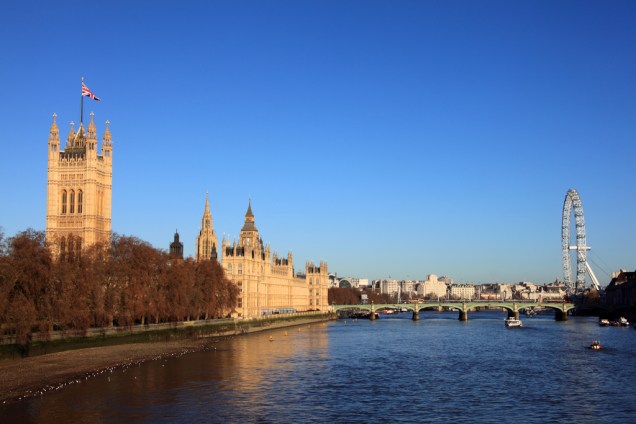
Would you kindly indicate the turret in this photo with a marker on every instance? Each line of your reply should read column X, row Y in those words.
column 107, row 145
column 54, row 140
column 92, row 138
column 70, row 139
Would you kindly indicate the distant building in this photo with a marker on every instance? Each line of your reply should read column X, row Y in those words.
column 345, row 283
column 553, row 291
column 621, row 291
column 462, row 291
column 360, row 283
column 445, row 279
column 176, row 247
column 388, row 286
column 207, row 242
column 432, row 287
column 79, row 189
column 333, row 280
column 407, row 287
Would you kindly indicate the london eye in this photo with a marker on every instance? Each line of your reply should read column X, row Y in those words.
column 572, row 199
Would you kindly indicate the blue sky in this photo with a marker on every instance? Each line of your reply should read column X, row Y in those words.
column 389, row 138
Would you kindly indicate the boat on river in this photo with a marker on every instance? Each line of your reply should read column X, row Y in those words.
column 603, row 322
column 513, row 322
column 596, row 345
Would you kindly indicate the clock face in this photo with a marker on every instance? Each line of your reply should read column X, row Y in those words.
column 247, row 240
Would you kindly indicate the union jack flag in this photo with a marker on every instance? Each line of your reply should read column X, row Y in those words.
column 89, row 93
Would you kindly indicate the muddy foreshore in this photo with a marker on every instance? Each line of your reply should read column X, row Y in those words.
column 33, row 376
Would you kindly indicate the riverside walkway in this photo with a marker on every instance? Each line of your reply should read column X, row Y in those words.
column 464, row 306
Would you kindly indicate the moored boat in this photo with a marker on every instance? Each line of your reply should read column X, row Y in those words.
column 603, row 322
column 621, row 322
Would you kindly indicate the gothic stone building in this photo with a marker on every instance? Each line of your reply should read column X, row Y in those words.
column 79, row 189
column 267, row 283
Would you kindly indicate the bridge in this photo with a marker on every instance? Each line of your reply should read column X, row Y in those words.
column 463, row 307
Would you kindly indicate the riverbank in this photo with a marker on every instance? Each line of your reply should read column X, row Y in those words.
column 36, row 375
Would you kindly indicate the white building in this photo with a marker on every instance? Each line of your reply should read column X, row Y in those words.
column 462, row 291
column 389, row 286
column 432, row 287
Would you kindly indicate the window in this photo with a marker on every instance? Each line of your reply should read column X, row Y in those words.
column 71, row 208
column 80, row 200
column 63, row 201
column 240, row 269
column 229, row 269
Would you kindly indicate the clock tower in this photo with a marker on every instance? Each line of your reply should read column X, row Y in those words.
column 249, row 233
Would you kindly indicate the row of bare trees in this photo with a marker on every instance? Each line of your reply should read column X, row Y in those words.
column 128, row 282
column 353, row 296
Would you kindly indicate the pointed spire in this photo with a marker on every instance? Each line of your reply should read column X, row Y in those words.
column 106, row 140
column 107, row 130
column 71, row 135
column 54, row 132
column 92, row 130
column 249, row 209
column 54, row 124
column 249, row 218
column 207, row 241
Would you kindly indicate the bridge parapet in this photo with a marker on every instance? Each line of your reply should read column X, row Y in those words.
column 463, row 307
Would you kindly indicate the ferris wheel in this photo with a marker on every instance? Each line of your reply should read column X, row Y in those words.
column 572, row 199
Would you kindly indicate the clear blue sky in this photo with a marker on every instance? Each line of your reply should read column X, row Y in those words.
column 389, row 138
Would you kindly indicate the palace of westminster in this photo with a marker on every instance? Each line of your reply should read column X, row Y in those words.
column 78, row 214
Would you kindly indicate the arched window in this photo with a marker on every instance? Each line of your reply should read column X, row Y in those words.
column 71, row 208
column 63, row 201
column 240, row 269
column 229, row 269
column 80, row 200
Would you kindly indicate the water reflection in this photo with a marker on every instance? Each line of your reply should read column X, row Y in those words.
column 235, row 374
column 435, row 369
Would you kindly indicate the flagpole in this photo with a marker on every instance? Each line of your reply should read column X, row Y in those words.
column 82, row 103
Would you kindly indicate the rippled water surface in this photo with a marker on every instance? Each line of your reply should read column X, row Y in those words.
column 394, row 369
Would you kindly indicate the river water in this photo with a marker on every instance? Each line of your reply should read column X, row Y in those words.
column 436, row 369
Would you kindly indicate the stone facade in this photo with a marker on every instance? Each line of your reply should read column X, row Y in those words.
column 79, row 189
column 432, row 288
column 266, row 282
column 462, row 291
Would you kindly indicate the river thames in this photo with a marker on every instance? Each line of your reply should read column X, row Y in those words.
column 433, row 370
